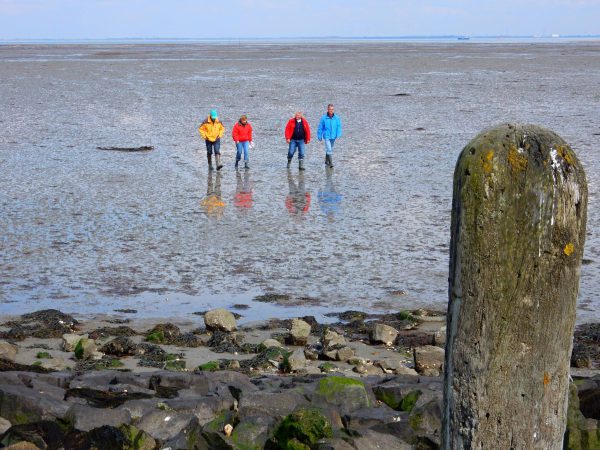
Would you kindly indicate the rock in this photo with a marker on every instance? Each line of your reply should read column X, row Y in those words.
column 589, row 403
column 43, row 434
column 370, row 417
column 299, row 332
column 252, row 432
column 395, row 366
column 439, row 337
column 20, row 404
column 397, row 396
column 23, row 445
column 429, row 360
column 4, row 425
column 383, row 334
column 331, row 338
column 426, row 421
column 312, row 352
column 372, row 440
column 69, row 341
column 119, row 346
column 367, row 369
column 296, row 361
column 344, row 354
column 302, row 429
column 8, row 351
column 109, row 438
column 220, row 319
column 274, row 404
column 139, row 408
column 86, row 418
column 85, row 349
column 164, row 425
column 348, row 394
column 268, row 343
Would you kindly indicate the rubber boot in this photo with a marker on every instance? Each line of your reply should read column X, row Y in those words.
column 210, row 166
column 218, row 160
column 330, row 158
column 289, row 165
column 246, row 164
column 237, row 162
column 327, row 160
column 300, row 164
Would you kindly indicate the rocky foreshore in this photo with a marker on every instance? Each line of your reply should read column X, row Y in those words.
column 363, row 382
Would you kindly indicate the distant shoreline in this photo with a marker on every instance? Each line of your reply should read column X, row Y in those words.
column 303, row 39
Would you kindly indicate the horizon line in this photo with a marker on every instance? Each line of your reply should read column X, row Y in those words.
column 288, row 38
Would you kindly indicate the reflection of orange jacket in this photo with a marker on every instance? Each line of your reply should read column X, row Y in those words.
column 243, row 199
column 298, row 204
column 241, row 132
column 289, row 129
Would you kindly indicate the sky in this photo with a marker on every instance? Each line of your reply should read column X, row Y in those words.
column 201, row 19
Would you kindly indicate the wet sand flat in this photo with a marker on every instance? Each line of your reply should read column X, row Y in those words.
column 83, row 229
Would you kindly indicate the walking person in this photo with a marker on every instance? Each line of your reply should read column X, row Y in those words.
column 211, row 131
column 330, row 128
column 242, row 136
column 297, row 133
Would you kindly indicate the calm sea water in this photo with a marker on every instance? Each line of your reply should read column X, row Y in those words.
column 89, row 230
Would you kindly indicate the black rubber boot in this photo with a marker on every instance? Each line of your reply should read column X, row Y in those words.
column 237, row 162
column 210, row 166
column 289, row 165
column 246, row 164
column 218, row 160
column 300, row 164
column 330, row 158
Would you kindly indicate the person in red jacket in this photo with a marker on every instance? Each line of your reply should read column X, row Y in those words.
column 297, row 133
column 242, row 136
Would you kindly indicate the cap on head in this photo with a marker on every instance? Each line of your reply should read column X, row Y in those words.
column 213, row 114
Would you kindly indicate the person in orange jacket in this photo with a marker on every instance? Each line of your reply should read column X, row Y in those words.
column 242, row 136
column 212, row 131
column 297, row 133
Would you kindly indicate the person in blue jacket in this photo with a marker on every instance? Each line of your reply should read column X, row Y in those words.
column 330, row 128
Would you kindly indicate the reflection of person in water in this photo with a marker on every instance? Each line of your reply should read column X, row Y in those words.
column 243, row 191
column 329, row 200
column 298, row 200
column 213, row 205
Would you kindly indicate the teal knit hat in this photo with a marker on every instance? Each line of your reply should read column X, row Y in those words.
column 213, row 114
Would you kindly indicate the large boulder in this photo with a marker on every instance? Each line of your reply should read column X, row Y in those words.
column 70, row 340
column 8, row 351
column 86, row 418
column 220, row 319
column 429, row 360
column 20, row 404
column 383, row 334
column 164, row 425
column 299, row 332
column 348, row 394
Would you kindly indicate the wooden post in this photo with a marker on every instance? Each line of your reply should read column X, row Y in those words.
column 518, row 230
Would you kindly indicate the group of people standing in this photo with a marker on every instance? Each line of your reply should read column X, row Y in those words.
column 297, row 135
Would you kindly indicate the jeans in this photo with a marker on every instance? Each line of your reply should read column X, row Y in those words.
column 242, row 145
column 213, row 146
column 329, row 146
column 296, row 144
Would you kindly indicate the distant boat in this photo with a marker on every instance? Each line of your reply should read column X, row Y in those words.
column 463, row 38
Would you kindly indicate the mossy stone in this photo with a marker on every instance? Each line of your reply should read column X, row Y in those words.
column 302, row 429
column 43, row 355
column 157, row 337
column 209, row 366
column 342, row 391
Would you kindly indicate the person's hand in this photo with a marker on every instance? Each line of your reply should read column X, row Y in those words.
column 236, row 142
column 307, row 142
column 287, row 140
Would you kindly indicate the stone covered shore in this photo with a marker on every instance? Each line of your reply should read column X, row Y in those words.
column 363, row 382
